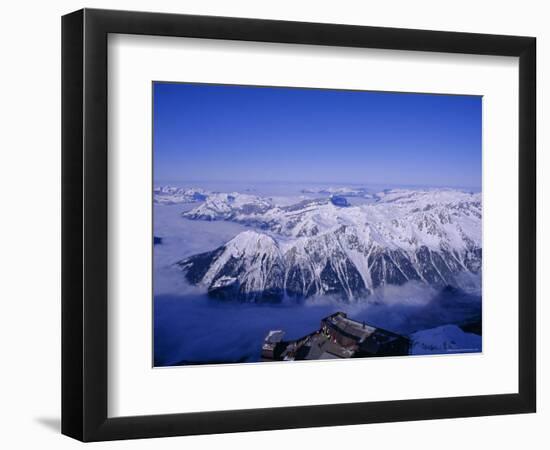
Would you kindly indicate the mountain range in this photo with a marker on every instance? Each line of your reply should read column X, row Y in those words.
column 327, row 246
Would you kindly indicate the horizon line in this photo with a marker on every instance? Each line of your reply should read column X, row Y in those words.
column 324, row 183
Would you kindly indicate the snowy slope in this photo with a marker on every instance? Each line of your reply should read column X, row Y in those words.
column 444, row 339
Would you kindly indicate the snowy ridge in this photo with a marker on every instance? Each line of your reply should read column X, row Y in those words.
column 229, row 206
column 403, row 219
column 169, row 195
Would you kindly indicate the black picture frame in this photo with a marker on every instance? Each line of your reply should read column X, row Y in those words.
column 84, row 224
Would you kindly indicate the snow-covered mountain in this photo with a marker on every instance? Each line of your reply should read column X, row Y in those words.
column 322, row 247
column 249, row 267
column 229, row 206
column 169, row 195
column 343, row 191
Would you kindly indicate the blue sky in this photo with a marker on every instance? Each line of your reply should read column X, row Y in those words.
column 256, row 134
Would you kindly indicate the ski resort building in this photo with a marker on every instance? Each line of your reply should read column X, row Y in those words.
column 338, row 337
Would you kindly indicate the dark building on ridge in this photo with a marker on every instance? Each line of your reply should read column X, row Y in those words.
column 338, row 337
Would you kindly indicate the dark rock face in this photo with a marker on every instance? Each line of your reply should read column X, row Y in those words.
column 300, row 283
column 196, row 267
column 472, row 327
column 473, row 260
column 199, row 197
column 427, row 262
column 405, row 265
column 384, row 270
column 342, row 279
column 339, row 201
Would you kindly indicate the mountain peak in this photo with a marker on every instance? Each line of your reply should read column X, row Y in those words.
column 251, row 242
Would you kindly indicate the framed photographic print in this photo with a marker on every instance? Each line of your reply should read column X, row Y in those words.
column 273, row 224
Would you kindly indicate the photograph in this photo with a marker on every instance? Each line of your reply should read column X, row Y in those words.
column 301, row 224
column 265, row 225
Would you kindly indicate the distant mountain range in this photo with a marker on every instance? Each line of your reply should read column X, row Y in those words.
column 326, row 246
column 169, row 195
column 343, row 191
